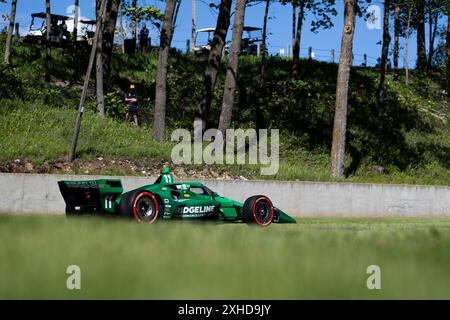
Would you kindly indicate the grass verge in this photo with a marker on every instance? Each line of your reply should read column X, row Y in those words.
column 316, row 258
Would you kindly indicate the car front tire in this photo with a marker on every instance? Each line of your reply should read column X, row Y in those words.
column 259, row 210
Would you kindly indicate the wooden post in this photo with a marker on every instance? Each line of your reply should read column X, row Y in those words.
column 310, row 53
column 98, row 30
column 365, row 60
column 17, row 30
column 188, row 46
column 332, row 55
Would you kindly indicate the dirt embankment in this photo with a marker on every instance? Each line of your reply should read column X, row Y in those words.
column 114, row 166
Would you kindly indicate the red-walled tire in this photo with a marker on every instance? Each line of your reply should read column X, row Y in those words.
column 259, row 210
column 145, row 207
column 141, row 205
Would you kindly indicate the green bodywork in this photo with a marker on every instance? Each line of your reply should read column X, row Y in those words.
column 181, row 200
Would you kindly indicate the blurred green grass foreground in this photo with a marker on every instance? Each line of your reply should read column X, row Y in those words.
column 318, row 258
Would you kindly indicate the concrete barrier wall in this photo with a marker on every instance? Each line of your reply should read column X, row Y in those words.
column 33, row 193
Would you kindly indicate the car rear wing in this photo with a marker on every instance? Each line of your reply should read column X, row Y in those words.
column 90, row 195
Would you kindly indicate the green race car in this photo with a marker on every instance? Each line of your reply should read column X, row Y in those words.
column 166, row 199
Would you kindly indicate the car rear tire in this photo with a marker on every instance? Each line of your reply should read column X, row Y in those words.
column 125, row 205
column 141, row 205
column 258, row 209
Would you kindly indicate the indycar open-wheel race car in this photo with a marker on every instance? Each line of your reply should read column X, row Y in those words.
column 166, row 199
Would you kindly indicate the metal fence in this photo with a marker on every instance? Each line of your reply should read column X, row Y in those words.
column 319, row 54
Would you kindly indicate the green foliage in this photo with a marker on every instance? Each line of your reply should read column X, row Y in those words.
column 116, row 108
column 139, row 68
column 10, row 84
column 323, row 11
column 408, row 136
column 45, row 133
column 150, row 14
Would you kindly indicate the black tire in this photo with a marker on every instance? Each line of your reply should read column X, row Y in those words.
column 126, row 205
column 258, row 209
column 141, row 205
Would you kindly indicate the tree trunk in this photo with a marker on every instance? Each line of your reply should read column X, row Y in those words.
column 99, row 82
column 340, row 115
column 259, row 119
column 48, row 55
column 174, row 22
column 99, row 69
column 384, row 51
column 264, row 37
column 430, row 31
column 215, row 55
column 161, row 75
column 134, row 22
column 294, row 20
column 121, row 28
column 298, row 36
column 421, row 48
column 232, row 70
column 75, row 21
column 396, row 39
column 433, row 30
column 12, row 18
column 194, row 25
column 408, row 28
column 447, row 54
column 76, row 132
column 109, row 29
column 76, row 17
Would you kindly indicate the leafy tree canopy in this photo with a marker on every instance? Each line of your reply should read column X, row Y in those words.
column 150, row 14
column 323, row 11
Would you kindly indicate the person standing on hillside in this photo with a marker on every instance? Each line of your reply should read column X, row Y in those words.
column 132, row 106
column 143, row 38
